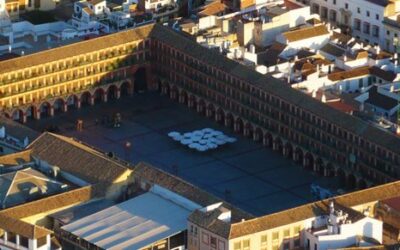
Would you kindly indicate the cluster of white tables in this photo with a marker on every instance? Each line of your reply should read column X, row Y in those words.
column 202, row 140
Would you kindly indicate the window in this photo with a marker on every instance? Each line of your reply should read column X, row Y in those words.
column 237, row 245
column 205, row 238
column 375, row 31
column 246, row 245
column 357, row 24
column 213, row 242
column 275, row 236
column 286, row 233
column 366, row 28
column 296, row 230
column 358, row 10
column 346, row 5
column 264, row 242
column 367, row 13
column 377, row 16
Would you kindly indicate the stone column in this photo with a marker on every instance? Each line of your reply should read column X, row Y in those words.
column 295, row 156
column 24, row 117
column 78, row 103
column 118, row 94
column 51, row 110
column 305, row 161
column 105, row 97
column 218, row 117
column 65, row 107
column 91, row 101
column 37, row 117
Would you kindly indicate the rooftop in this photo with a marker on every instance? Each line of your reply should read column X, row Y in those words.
column 133, row 224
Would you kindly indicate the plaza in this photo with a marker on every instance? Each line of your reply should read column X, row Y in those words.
column 245, row 173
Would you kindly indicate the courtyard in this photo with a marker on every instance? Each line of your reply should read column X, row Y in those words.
column 244, row 173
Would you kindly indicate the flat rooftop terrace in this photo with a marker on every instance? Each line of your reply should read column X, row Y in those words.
column 244, row 173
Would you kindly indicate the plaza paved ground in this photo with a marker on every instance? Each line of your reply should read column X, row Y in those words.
column 245, row 173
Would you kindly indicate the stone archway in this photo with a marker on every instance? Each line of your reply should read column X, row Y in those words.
column 45, row 109
column 220, row 115
column 258, row 135
column 17, row 115
column 126, row 88
column 268, row 140
column 86, row 98
column 73, row 102
column 112, row 93
column 210, row 111
column 31, row 112
column 58, row 105
column 99, row 95
column 238, row 125
column 278, row 145
column 228, row 121
column 298, row 155
column 288, row 150
column 201, row 107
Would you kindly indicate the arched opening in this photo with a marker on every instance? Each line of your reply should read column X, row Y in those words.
column 58, row 106
column 298, row 156
column 220, row 115
column 268, row 141
column 31, row 112
column 278, row 145
column 258, row 135
column 183, row 97
column 330, row 170
column 112, row 93
column 17, row 115
column 45, row 109
column 72, row 102
column 85, row 98
column 98, row 95
column 210, row 110
column 228, row 121
column 351, row 182
column 288, row 150
column 238, row 126
column 309, row 161
column 174, row 92
column 140, row 80
column 201, row 106
column 248, row 130
column 126, row 88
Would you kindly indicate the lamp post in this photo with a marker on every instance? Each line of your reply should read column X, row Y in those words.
column 127, row 147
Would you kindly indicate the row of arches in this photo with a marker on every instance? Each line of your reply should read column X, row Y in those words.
column 298, row 154
column 57, row 105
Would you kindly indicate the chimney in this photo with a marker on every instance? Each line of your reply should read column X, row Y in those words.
column 314, row 94
column 392, row 88
column 323, row 99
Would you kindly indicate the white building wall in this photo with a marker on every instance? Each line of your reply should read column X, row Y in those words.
column 358, row 9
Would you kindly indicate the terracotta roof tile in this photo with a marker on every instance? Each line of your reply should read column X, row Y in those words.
column 76, row 158
column 305, row 33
